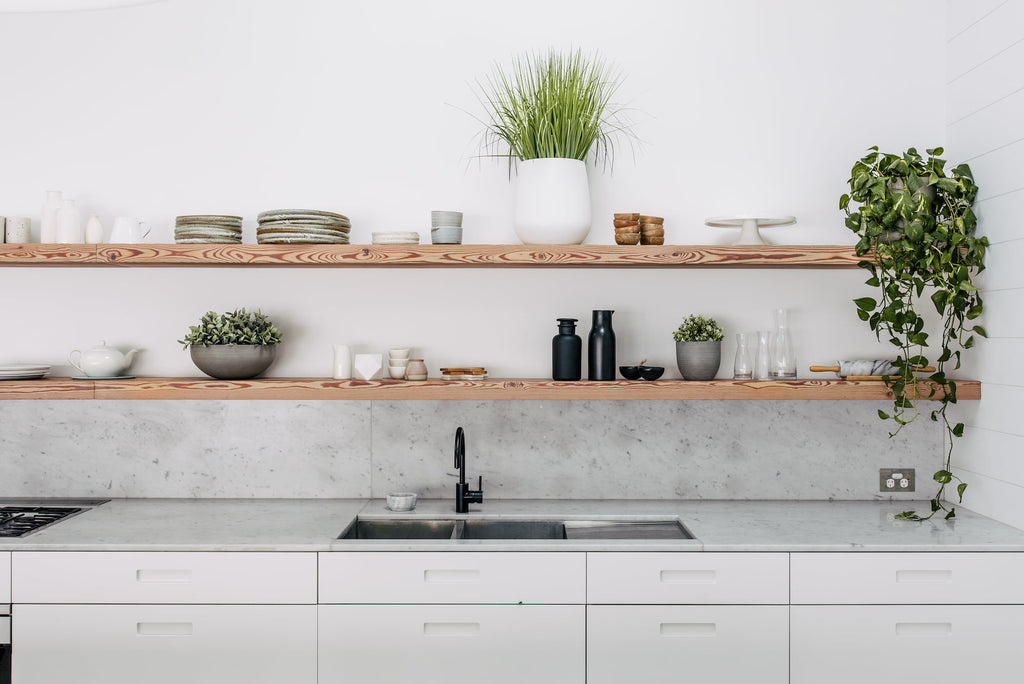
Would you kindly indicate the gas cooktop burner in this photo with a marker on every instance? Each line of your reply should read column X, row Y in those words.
column 17, row 521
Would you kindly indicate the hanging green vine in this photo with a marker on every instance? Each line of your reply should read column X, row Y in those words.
column 916, row 228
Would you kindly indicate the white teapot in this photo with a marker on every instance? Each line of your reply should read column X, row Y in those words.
column 102, row 361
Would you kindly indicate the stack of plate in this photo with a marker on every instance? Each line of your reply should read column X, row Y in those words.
column 396, row 237
column 23, row 371
column 201, row 229
column 302, row 226
column 465, row 373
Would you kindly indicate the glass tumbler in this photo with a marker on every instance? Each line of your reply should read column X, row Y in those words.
column 743, row 366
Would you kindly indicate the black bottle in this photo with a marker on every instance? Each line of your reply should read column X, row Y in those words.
column 566, row 351
column 601, row 347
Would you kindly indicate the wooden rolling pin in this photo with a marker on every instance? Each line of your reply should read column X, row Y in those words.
column 864, row 369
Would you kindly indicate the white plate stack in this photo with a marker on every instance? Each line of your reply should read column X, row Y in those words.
column 23, row 371
column 396, row 237
column 302, row 227
column 208, row 229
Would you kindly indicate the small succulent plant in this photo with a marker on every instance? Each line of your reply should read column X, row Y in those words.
column 698, row 328
column 236, row 327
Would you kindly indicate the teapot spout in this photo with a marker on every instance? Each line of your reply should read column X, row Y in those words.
column 128, row 358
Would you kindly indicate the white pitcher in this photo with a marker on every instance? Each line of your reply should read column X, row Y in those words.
column 128, row 230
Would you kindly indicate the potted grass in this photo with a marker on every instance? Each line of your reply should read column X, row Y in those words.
column 548, row 114
column 233, row 346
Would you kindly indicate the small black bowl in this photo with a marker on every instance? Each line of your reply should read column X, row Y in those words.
column 632, row 372
column 651, row 372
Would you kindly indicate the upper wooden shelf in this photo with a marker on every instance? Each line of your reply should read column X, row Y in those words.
column 444, row 256
column 491, row 389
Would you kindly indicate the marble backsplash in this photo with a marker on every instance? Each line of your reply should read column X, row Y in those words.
column 523, row 449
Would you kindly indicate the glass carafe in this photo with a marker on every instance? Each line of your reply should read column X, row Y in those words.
column 763, row 355
column 783, row 358
column 743, row 366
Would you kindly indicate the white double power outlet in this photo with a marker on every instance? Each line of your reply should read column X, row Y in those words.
column 895, row 479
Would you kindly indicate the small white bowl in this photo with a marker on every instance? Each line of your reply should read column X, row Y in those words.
column 398, row 363
column 396, row 372
column 401, row 501
column 399, row 353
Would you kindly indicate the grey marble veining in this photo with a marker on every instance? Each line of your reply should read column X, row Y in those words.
column 523, row 449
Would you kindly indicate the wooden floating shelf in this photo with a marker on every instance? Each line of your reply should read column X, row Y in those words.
column 436, row 256
column 491, row 389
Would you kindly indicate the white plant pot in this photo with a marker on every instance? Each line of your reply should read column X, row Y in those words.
column 552, row 202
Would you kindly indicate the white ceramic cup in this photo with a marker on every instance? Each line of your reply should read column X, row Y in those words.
column 396, row 372
column 398, row 363
column 128, row 230
column 398, row 353
column 19, row 229
column 342, row 362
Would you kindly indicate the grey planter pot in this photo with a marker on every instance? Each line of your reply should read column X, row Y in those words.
column 233, row 361
column 699, row 360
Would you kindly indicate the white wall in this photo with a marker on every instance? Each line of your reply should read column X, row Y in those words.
column 193, row 106
column 985, row 112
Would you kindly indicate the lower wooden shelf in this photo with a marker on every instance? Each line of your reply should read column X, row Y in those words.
column 492, row 389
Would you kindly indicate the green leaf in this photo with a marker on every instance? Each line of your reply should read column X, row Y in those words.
column 958, row 430
column 883, row 415
column 866, row 303
column 960, row 488
column 943, row 476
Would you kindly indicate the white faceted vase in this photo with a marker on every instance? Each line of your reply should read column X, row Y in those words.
column 552, row 202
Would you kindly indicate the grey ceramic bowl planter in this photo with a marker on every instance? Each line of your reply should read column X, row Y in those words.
column 699, row 360
column 233, row 361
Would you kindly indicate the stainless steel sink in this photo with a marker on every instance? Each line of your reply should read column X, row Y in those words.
column 500, row 528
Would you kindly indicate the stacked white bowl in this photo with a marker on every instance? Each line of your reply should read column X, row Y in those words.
column 398, row 359
column 446, row 227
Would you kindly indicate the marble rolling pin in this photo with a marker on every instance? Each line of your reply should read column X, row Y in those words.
column 864, row 369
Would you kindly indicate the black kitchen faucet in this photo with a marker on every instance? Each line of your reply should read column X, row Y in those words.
column 463, row 494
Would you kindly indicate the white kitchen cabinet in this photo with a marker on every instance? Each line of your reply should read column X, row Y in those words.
column 5, row 576
column 671, row 644
column 438, row 644
column 164, row 577
column 899, row 644
column 452, row 577
column 686, row 578
column 166, row 644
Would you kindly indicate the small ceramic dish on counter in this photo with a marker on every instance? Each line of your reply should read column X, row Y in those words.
column 401, row 501
column 642, row 372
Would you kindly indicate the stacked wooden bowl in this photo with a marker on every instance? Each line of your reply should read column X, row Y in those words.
column 627, row 229
column 652, row 230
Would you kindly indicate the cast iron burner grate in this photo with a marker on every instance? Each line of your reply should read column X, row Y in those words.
column 17, row 521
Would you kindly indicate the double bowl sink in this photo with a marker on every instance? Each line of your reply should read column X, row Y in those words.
column 441, row 529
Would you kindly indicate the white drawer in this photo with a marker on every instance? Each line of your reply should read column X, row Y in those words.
column 452, row 577
column 189, row 577
column 657, row 644
column 688, row 578
column 848, row 578
column 858, row 644
column 165, row 644
column 5, row 576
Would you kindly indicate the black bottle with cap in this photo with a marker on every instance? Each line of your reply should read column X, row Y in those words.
column 601, row 347
column 566, row 351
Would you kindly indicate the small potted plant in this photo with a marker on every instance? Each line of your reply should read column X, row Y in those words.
column 698, row 347
column 233, row 346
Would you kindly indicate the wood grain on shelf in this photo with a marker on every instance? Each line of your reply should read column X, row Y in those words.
column 491, row 389
column 437, row 256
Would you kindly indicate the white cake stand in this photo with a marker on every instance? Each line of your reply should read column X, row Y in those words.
column 750, row 224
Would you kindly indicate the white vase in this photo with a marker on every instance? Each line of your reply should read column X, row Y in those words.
column 93, row 230
column 552, row 202
column 69, row 224
column 48, row 222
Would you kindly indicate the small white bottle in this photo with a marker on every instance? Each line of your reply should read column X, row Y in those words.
column 342, row 362
column 48, row 224
column 93, row 230
column 69, row 224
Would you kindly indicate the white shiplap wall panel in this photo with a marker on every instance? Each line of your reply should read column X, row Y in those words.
column 988, row 451
column 993, row 497
column 1000, row 171
column 1000, row 218
column 1004, row 315
column 960, row 16
column 998, row 410
column 986, row 130
column 986, row 83
column 985, row 38
column 1003, row 266
column 993, row 360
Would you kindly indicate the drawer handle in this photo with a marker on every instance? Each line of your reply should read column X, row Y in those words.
column 688, row 576
column 924, row 629
column 164, row 628
column 451, row 629
column 688, row 629
column 451, row 576
column 163, row 576
column 924, row 576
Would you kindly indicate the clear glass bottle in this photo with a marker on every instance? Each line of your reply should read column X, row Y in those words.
column 763, row 355
column 783, row 361
column 743, row 366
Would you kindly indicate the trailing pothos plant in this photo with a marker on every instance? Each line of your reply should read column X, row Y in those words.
column 916, row 230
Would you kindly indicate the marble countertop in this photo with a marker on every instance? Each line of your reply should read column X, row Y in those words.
column 314, row 525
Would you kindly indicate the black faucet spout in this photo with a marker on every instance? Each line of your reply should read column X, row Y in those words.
column 463, row 494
